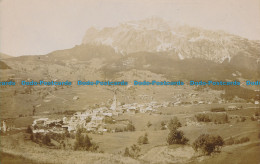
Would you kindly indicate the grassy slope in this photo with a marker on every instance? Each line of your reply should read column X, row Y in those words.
column 24, row 149
column 12, row 159
column 236, row 154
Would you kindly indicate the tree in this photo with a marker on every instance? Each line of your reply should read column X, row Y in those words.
column 135, row 150
column 132, row 152
column 29, row 129
column 163, row 125
column 143, row 139
column 174, row 123
column 208, row 143
column 84, row 142
column 46, row 140
column 37, row 135
column 219, row 142
column 66, row 133
column 149, row 124
column 127, row 152
column 87, row 143
column 130, row 126
column 176, row 137
column 88, row 119
column 62, row 145
column 34, row 110
column 15, row 92
column 80, row 140
column 32, row 137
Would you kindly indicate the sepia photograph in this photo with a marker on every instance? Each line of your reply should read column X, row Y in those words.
column 129, row 82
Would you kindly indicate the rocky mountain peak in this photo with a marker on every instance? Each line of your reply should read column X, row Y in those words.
column 157, row 35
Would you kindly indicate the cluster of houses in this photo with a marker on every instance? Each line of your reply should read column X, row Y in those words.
column 95, row 119
column 92, row 120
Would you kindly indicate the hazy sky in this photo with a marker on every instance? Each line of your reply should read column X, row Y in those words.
column 30, row 27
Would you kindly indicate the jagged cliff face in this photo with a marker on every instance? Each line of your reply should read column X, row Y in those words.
column 157, row 35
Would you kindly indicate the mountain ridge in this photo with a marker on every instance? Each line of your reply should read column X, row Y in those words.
column 157, row 35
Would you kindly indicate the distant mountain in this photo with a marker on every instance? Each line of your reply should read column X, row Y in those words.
column 179, row 52
column 4, row 56
column 157, row 35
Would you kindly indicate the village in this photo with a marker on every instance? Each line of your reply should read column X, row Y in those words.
column 92, row 120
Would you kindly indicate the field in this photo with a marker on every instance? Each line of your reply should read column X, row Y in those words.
column 114, row 144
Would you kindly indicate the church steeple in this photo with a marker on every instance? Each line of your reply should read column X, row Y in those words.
column 114, row 104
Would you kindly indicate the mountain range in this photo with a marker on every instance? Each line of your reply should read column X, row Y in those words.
column 157, row 35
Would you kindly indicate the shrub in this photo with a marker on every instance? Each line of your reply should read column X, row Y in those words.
column 135, row 150
column 163, row 125
column 217, row 117
column 32, row 137
column 174, row 123
column 149, row 124
column 130, row 126
column 119, row 130
column 29, row 129
column 202, row 117
column 208, row 143
column 218, row 110
column 253, row 118
column 132, row 152
column 232, row 141
column 176, row 137
column 242, row 119
column 127, row 152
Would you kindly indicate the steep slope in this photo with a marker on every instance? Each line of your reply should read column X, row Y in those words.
column 173, row 68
